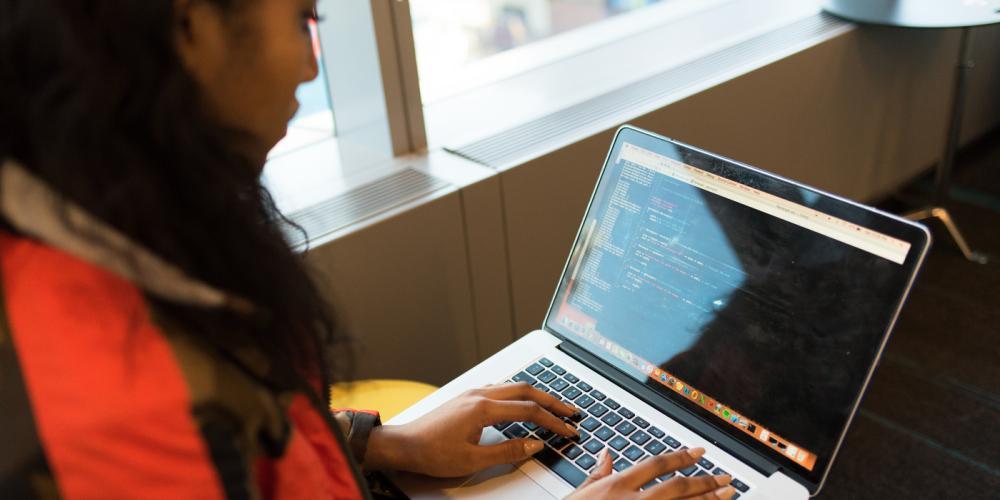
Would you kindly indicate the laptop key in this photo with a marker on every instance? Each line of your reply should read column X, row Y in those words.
column 558, row 442
column 625, row 428
column 545, row 362
column 598, row 395
column 547, row 377
column 501, row 425
column 640, row 423
column 535, row 369
column 640, row 438
column 656, row 432
column 739, row 485
column 585, row 387
column 515, row 431
column 625, row 412
column 666, row 476
column 523, row 377
column 571, row 378
column 655, row 447
column 559, row 370
column 618, row 443
column 604, row 433
column 530, row 425
column 719, row 472
column 586, row 462
column 701, row 472
column 544, row 434
column 559, row 385
column 598, row 409
column 584, row 402
column 590, row 424
column 650, row 484
column 633, row 453
column 671, row 442
column 562, row 467
column 612, row 419
column 705, row 463
column 622, row 464
column 582, row 438
column 687, row 471
column 610, row 403
column 594, row 446
column 571, row 393
column 572, row 452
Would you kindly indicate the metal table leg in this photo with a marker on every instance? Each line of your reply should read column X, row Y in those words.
column 942, row 215
column 942, row 181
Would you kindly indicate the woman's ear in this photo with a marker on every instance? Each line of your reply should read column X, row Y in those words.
column 200, row 37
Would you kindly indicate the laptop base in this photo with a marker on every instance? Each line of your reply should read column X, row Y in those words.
column 530, row 479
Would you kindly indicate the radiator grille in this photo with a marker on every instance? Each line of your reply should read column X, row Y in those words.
column 361, row 203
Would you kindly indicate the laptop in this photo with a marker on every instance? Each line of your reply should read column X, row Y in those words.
column 705, row 303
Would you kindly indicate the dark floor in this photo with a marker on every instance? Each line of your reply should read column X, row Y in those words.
column 929, row 426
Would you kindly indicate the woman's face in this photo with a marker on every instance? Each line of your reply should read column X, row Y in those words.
column 249, row 61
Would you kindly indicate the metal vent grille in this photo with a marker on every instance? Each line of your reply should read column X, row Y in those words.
column 361, row 203
column 524, row 140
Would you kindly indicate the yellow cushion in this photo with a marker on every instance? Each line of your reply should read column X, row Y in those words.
column 388, row 397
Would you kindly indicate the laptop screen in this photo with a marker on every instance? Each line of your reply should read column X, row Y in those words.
column 758, row 304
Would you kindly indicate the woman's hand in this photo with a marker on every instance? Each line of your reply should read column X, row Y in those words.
column 625, row 485
column 445, row 442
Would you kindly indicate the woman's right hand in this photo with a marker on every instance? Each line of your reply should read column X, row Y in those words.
column 625, row 485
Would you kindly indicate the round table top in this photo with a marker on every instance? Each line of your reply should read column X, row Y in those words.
column 918, row 13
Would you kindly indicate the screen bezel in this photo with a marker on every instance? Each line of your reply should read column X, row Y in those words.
column 917, row 235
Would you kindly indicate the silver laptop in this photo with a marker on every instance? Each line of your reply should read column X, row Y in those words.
column 705, row 303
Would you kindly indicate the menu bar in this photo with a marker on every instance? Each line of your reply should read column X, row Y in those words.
column 860, row 237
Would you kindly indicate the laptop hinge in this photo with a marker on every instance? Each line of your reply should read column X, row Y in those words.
column 672, row 409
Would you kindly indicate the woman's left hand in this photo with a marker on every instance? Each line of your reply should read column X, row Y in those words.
column 445, row 442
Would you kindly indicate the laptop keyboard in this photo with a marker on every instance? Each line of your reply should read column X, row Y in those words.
column 603, row 423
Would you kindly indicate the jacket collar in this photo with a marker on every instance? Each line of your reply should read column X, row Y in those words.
column 32, row 207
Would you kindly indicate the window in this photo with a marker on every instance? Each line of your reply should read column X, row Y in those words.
column 540, row 54
column 401, row 76
column 314, row 120
column 457, row 37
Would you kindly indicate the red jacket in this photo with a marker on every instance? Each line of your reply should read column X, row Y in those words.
column 100, row 397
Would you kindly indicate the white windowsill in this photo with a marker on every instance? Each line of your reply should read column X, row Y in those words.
column 318, row 172
column 312, row 173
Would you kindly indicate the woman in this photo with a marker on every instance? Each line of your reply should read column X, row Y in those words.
column 159, row 337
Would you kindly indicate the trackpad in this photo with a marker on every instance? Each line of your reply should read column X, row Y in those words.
column 501, row 481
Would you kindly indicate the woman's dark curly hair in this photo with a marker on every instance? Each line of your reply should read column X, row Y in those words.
column 95, row 101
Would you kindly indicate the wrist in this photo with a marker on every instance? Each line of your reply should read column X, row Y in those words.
column 387, row 449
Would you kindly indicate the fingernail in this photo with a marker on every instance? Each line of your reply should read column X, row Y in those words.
column 533, row 446
column 723, row 480
column 696, row 453
column 726, row 492
column 572, row 429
